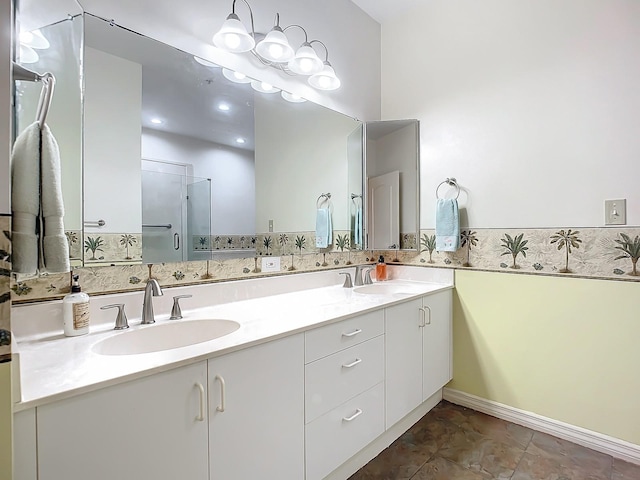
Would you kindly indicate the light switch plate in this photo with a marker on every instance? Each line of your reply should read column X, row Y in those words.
column 270, row 264
column 615, row 212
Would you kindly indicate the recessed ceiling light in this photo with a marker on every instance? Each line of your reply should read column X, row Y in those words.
column 292, row 97
column 224, row 107
column 240, row 140
column 156, row 121
column 263, row 87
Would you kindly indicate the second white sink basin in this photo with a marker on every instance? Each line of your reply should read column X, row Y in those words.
column 165, row 336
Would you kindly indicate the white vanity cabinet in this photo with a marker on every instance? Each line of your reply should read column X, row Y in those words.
column 150, row 428
column 418, row 352
column 344, row 391
column 256, row 412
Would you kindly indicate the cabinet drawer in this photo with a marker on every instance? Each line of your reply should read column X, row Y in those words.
column 332, row 380
column 332, row 338
column 338, row 435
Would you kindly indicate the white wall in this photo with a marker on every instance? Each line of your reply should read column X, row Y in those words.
column 353, row 39
column 231, row 171
column 531, row 104
column 294, row 165
column 112, row 112
column 6, row 110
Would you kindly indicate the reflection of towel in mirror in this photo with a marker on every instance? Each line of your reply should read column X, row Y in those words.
column 358, row 227
column 39, row 242
column 447, row 225
column 324, row 233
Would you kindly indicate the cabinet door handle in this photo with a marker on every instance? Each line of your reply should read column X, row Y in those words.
column 220, row 408
column 200, row 416
column 176, row 241
column 352, row 417
column 428, row 318
column 352, row 364
column 352, row 334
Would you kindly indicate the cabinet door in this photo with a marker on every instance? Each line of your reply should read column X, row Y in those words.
column 403, row 365
column 256, row 420
column 149, row 428
column 25, row 461
column 436, row 350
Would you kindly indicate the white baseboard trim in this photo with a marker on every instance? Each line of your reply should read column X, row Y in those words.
column 596, row 441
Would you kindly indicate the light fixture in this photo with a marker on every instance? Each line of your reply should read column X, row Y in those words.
column 292, row 97
column 276, row 51
column 34, row 39
column 224, row 107
column 263, row 87
column 28, row 54
column 240, row 140
column 156, row 121
column 235, row 77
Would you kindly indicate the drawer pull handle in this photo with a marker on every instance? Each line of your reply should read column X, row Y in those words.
column 353, row 417
column 352, row 364
column 221, row 407
column 352, row 334
column 203, row 401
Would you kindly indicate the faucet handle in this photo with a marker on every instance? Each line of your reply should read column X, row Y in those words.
column 347, row 280
column 367, row 276
column 121, row 319
column 176, row 313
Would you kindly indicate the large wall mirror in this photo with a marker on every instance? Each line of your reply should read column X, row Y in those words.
column 166, row 159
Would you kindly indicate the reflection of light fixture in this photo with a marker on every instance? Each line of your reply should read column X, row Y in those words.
column 263, row 87
column 275, row 50
column 235, row 77
column 292, row 97
column 240, row 140
column 206, row 63
column 223, row 107
column 156, row 121
column 28, row 54
column 34, row 39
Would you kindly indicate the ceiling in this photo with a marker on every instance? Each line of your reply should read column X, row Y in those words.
column 384, row 10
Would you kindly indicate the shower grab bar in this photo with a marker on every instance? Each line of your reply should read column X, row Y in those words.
column 95, row 223
column 156, row 225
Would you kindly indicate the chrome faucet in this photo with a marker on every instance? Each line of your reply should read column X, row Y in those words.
column 151, row 290
column 358, row 280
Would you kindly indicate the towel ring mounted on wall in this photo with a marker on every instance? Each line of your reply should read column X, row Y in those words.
column 323, row 198
column 452, row 182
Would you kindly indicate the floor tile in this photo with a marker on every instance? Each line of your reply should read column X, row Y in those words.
column 439, row 468
column 533, row 467
column 625, row 471
column 482, row 454
column 573, row 456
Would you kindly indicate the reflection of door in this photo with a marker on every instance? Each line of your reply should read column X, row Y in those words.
column 383, row 199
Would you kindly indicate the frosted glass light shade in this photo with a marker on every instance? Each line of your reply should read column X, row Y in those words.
column 290, row 97
column 235, row 77
column 233, row 36
column 275, row 47
column 34, row 39
column 306, row 61
column 263, row 87
column 206, row 63
column 325, row 79
column 28, row 54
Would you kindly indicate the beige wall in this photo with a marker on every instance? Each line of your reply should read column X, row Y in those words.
column 562, row 348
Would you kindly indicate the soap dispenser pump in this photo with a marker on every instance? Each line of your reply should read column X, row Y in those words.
column 381, row 270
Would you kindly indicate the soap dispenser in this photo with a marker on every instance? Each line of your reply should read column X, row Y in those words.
column 381, row 270
column 75, row 310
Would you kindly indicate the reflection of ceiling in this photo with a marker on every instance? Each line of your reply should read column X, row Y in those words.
column 178, row 90
column 383, row 10
column 377, row 130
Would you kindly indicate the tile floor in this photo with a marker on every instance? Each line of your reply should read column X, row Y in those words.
column 456, row 443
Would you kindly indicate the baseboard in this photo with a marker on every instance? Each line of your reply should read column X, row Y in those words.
column 596, row 441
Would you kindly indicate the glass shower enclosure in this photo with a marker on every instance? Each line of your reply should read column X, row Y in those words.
column 176, row 217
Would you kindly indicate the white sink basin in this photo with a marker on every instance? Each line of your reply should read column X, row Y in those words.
column 165, row 336
column 383, row 288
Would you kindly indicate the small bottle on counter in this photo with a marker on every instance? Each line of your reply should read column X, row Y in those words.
column 381, row 270
column 75, row 310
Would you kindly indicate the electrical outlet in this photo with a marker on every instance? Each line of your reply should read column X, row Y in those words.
column 270, row 264
column 615, row 212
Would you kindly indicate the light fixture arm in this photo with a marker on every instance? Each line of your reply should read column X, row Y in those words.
column 306, row 37
column 233, row 12
column 326, row 50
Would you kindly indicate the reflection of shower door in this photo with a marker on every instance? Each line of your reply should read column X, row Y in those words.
column 163, row 208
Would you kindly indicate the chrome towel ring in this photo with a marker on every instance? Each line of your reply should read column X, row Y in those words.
column 452, row 183
column 325, row 197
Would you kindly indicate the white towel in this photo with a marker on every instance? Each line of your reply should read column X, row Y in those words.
column 324, row 233
column 447, row 225
column 36, row 204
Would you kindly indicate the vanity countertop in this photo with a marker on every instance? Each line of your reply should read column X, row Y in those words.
column 53, row 367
